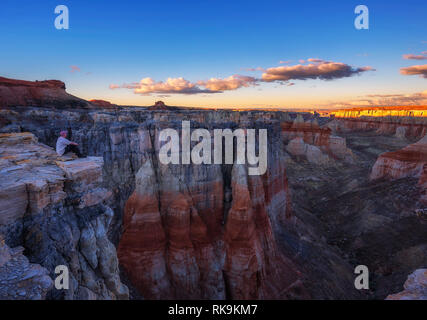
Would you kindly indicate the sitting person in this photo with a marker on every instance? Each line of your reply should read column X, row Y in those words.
column 63, row 145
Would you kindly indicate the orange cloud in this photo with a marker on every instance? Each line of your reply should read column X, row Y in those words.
column 415, row 70
column 231, row 83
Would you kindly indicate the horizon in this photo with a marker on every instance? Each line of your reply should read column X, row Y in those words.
column 273, row 55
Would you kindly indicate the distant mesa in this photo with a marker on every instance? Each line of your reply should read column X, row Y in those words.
column 103, row 104
column 49, row 93
column 159, row 105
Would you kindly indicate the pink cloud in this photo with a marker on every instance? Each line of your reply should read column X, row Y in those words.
column 74, row 69
column 414, row 57
column 231, row 83
column 415, row 70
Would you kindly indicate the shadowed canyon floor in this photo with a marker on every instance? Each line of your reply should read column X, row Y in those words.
column 369, row 222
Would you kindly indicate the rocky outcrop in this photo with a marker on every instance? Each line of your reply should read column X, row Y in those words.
column 313, row 154
column 208, row 232
column 103, row 104
column 36, row 93
column 316, row 144
column 415, row 287
column 19, row 279
column 395, row 111
column 401, row 126
column 410, row 161
column 57, row 210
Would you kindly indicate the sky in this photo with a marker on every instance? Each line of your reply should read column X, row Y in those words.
column 232, row 54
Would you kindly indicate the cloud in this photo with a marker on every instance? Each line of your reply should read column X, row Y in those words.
column 317, row 69
column 323, row 70
column 254, row 69
column 414, row 57
column 231, row 83
column 172, row 85
column 285, row 62
column 415, row 70
column 148, row 86
column 380, row 100
column 74, row 69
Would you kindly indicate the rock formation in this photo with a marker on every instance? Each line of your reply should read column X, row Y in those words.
column 400, row 125
column 207, row 232
column 19, row 279
column 415, row 287
column 57, row 210
column 49, row 93
column 410, row 161
column 103, row 104
column 395, row 111
column 316, row 144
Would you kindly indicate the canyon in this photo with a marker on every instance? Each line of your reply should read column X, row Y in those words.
column 337, row 192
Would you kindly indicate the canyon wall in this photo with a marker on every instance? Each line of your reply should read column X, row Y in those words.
column 56, row 210
column 207, row 231
column 395, row 111
column 410, row 124
column 410, row 161
column 316, row 144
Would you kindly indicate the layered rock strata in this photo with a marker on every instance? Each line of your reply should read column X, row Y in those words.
column 410, row 161
column 316, row 144
column 208, row 231
column 57, row 210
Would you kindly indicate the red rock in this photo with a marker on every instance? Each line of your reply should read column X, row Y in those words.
column 175, row 244
column 103, row 104
column 407, row 162
column 36, row 93
column 410, row 161
column 159, row 105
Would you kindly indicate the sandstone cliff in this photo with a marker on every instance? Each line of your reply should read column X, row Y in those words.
column 402, row 127
column 316, row 144
column 208, row 231
column 19, row 279
column 57, row 211
column 410, row 161
column 49, row 93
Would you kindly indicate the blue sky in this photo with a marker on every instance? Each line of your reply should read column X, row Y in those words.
column 122, row 42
